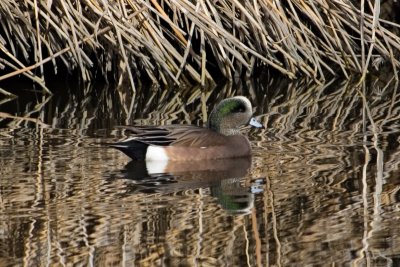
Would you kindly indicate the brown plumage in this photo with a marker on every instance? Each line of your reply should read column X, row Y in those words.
column 187, row 142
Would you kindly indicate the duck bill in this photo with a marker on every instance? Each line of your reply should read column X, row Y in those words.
column 255, row 123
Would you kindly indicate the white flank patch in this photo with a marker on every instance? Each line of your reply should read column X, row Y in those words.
column 156, row 153
column 155, row 167
column 156, row 160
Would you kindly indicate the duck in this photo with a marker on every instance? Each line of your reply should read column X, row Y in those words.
column 221, row 139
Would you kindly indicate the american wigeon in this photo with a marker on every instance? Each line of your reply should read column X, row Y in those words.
column 221, row 139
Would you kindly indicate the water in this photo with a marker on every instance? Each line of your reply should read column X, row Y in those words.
column 322, row 187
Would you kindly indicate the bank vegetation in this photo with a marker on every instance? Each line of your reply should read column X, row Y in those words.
column 178, row 41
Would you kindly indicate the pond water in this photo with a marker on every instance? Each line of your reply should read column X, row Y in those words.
column 321, row 189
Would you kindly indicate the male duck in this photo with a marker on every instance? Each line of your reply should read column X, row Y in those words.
column 221, row 139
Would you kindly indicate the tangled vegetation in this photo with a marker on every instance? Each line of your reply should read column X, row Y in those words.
column 179, row 41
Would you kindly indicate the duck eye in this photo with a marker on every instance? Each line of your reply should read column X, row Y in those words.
column 239, row 109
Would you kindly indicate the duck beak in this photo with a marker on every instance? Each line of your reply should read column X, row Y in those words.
column 255, row 123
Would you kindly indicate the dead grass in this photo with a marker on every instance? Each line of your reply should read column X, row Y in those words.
column 172, row 41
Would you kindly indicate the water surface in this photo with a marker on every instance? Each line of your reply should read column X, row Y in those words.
column 322, row 187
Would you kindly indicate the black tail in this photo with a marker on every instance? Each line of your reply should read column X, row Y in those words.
column 132, row 148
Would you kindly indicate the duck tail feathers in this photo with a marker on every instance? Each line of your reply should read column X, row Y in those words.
column 134, row 149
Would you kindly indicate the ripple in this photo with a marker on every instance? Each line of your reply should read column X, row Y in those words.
column 309, row 196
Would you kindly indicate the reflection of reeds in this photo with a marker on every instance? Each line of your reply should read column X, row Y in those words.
column 310, row 212
column 174, row 41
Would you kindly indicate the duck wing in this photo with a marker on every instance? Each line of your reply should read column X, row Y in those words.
column 175, row 135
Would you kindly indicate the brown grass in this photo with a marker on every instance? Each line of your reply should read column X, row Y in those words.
column 173, row 41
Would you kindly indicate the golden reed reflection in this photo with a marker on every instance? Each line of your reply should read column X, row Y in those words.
column 310, row 196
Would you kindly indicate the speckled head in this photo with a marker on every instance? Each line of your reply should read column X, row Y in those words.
column 230, row 114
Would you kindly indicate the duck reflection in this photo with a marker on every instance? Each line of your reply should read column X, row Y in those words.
column 223, row 177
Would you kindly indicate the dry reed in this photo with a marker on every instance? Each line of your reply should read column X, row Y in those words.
column 175, row 41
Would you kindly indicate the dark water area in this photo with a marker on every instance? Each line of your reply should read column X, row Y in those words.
column 321, row 188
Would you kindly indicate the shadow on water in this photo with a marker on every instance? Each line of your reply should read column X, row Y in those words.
column 322, row 187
